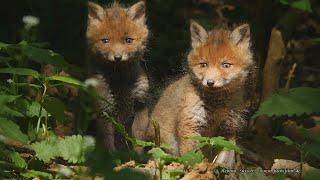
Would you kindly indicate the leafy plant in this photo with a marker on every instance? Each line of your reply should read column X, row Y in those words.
column 310, row 147
column 296, row 102
column 303, row 5
column 72, row 148
column 219, row 142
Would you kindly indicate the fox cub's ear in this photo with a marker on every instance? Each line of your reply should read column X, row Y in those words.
column 95, row 13
column 137, row 12
column 198, row 34
column 241, row 35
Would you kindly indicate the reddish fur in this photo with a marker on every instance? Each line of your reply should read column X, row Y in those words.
column 190, row 108
column 116, row 24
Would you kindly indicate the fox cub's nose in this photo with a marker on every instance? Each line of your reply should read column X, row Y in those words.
column 117, row 57
column 210, row 82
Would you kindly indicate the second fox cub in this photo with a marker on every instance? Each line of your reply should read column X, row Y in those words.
column 116, row 38
column 208, row 100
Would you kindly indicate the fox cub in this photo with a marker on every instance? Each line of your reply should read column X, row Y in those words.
column 116, row 39
column 208, row 101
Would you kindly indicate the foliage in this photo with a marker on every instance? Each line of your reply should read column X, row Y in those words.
column 309, row 147
column 71, row 148
column 218, row 142
column 303, row 5
column 296, row 102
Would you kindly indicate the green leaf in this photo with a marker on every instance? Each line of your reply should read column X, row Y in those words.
column 303, row 5
column 17, row 160
column 297, row 101
column 3, row 45
column 284, row 139
column 74, row 148
column 55, row 107
column 313, row 149
column 6, row 111
column 43, row 56
column 46, row 150
column 159, row 154
column 141, row 143
column 220, row 143
column 20, row 71
column 312, row 174
column 33, row 110
column 32, row 174
column 65, row 79
column 191, row 158
column 11, row 130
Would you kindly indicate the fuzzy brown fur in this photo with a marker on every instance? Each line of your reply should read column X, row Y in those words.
column 116, row 38
column 191, row 106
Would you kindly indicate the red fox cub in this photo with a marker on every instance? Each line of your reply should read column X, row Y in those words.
column 208, row 101
column 116, row 39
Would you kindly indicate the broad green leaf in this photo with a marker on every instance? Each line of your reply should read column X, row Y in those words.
column 191, row 158
column 313, row 149
column 141, row 143
column 46, row 150
column 65, row 79
column 17, row 160
column 33, row 110
column 11, row 130
column 303, row 5
column 32, row 174
column 6, row 111
column 221, row 143
column 55, row 107
column 20, row 71
column 43, row 56
column 74, row 148
column 284, row 139
column 312, row 174
column 297, row 101
column 157, row 153
column 3, row 45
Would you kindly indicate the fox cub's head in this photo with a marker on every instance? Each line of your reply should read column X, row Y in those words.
column 220, row 56
column 116, row 33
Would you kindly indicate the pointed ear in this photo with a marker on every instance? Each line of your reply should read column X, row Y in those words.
column 198, row 34
column 241, row 35
column 137, row 12
column 95, row 13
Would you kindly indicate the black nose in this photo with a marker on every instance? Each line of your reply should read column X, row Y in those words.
column 210, row 82
column 117, row 57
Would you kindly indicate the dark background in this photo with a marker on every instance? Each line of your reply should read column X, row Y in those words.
column 62, row 24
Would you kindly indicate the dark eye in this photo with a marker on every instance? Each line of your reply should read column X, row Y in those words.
column 129, row 40
column 226, row 65
column 203, row 65
column 105, row 40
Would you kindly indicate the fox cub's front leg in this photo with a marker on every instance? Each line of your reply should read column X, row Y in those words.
column 191, row 120
column 105, row 129
column 140, row 92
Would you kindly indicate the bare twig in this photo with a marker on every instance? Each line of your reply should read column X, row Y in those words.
column 290, row 76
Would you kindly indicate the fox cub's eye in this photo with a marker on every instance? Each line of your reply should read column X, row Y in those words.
column 105, row 40
column 203, row 65
column 129, row 40
column 226, row 65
